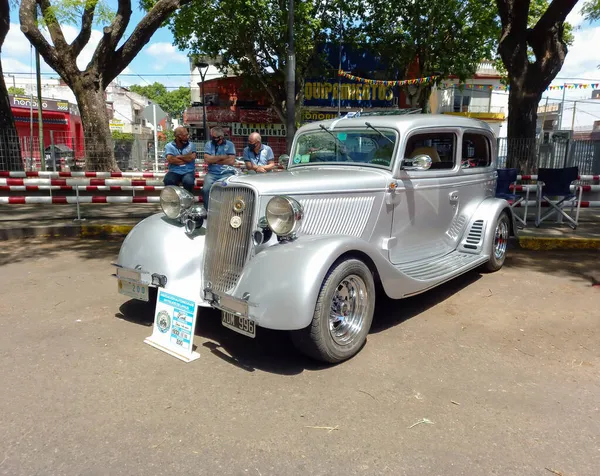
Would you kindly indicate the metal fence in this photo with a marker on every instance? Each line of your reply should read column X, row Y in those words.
column 64, row 152
column 584, row 154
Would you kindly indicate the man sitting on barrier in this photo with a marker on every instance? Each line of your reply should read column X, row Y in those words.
column 181, row 155
column 219, row 154
column 257, row 156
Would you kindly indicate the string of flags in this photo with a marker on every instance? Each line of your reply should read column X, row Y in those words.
column 447, row 85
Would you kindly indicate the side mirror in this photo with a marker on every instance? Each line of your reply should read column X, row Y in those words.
column 284, row 160
column 420, row 162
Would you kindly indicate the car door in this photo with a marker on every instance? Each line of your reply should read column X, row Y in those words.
column 427, row 202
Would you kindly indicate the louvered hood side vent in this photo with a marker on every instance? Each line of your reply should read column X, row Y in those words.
column 474, row 239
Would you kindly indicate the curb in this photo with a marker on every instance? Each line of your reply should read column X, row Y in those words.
column 66, row 231
column 541, row 243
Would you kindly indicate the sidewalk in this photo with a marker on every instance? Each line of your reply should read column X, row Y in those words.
column 116, row 220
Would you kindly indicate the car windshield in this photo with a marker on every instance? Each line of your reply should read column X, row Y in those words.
column 347, row 146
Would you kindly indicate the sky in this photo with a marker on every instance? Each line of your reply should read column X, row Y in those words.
column 160, row 61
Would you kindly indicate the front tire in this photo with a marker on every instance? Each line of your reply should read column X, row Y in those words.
column 343, row 314
column 499, row 244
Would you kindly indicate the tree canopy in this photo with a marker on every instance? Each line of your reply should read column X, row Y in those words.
column 172, row 102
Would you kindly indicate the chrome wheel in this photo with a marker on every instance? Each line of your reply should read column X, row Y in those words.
column 349, row 309
column 500, row 239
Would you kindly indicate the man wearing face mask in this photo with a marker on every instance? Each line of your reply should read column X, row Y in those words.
column 219, row 154
column 257, row 156
column 181, row 156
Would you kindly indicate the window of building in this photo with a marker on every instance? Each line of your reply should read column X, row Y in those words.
column 472, row 100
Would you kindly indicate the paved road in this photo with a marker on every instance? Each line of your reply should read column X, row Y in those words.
column 505, row 367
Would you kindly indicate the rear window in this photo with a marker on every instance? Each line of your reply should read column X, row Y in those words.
column 476, row 151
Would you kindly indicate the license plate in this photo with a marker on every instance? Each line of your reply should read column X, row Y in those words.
column 243, row 325
column 134, row 290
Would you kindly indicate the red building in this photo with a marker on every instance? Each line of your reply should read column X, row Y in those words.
column 61, row 124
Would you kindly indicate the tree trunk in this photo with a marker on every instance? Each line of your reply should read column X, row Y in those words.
column 99, row 147
column 522, row 120
column 10, row 150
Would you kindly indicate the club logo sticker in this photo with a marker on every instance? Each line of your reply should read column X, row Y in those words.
column 235, row 222
column 163, row 321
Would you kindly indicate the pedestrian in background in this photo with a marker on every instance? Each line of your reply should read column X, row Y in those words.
column 181, row 156
column 219, row 154
column 258, row 157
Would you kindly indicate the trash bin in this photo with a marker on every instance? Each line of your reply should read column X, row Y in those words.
column 63, row 155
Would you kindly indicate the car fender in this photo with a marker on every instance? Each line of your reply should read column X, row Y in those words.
column 487, row 212
column 159, row 245
column 281, row 283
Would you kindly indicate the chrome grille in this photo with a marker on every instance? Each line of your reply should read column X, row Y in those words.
column 227, row 248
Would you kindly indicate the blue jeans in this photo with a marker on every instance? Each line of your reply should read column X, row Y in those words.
column 187, row 180
column 209, row 179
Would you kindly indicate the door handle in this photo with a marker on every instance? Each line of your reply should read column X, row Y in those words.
column 453, row 197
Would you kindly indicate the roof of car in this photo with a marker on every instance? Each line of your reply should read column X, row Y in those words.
column 402, row 122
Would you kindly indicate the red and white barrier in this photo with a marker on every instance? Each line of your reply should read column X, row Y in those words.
column 566, row 204
column 159, row 175
column 533, row 188
column 72, row 182
column 74, row 200
column 593, row 178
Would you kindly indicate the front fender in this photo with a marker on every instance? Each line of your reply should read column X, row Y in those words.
column 282, row 282
column 159, row 245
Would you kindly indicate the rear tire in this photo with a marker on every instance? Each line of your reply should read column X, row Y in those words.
column 499, row 244
column 343, row 314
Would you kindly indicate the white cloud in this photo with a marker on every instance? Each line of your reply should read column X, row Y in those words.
column 166, row 51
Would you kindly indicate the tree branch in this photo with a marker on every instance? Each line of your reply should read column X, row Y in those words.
column 87, row 19
column 140, row 36
column 29, row 27
column 556, row 13
column 58, row 39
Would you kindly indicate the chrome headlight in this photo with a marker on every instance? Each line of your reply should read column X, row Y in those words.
column 175, row 200
column 284, row 215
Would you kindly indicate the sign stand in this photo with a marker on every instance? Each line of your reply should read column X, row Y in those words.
column 174, row 325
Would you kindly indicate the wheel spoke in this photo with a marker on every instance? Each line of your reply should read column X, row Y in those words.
column 348, row 310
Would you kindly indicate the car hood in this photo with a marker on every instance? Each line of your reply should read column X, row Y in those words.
column 316, row 179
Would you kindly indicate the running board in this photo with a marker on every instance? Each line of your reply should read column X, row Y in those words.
column 442, row 268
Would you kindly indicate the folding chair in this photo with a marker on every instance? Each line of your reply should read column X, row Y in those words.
column 557, row 183
column 506, row 177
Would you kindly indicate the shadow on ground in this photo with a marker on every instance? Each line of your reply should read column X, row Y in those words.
column 577, row 264
column 15, row 251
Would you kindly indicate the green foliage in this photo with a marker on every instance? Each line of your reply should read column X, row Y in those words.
column 251, row 37
column 591, row 10
column 118, row 135
column 69, row 12
column 172, row 102
column 16, row 91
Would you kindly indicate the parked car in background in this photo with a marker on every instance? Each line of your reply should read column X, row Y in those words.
column 395, row 204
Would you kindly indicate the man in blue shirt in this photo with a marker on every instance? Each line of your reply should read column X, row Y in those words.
column 181, row 156
column 257, row 156
column 219, row 154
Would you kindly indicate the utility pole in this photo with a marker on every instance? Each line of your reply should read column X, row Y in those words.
column 339, row 68
column 573, row 120
column 562, row 107
column 40, row 121
column 290, row 102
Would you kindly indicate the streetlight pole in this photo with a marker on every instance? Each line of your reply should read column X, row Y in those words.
column 200, row 66
column 290, row 102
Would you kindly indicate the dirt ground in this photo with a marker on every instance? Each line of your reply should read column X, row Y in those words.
column 490, row 374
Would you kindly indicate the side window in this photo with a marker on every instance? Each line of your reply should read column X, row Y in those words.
column 440, row 146
column 476, row 151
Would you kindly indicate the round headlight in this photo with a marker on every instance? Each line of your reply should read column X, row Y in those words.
column 175, row 200
column 284, row 215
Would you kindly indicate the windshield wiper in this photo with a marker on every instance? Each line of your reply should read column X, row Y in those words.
column 341, row 144
column 368, row 124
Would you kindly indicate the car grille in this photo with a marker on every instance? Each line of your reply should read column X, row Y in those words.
column 227, row 248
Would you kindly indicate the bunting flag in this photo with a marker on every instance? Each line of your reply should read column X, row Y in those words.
column 379, row 82
column 446, row 85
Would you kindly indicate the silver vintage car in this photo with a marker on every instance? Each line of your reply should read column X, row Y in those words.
column 395, row 203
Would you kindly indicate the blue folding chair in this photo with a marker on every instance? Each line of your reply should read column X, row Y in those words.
column 557, row 183
column 506, row 178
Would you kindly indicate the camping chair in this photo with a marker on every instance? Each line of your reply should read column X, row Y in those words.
column 557, row 183
column 506, row 178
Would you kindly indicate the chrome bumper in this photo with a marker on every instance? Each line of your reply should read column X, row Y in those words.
column 224, row 302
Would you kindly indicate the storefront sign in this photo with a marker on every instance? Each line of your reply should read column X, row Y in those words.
column 174, row 325
column 47, row 104
column 116, row 125
column 326, row 93
column 311, row 116
column 265, row 130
